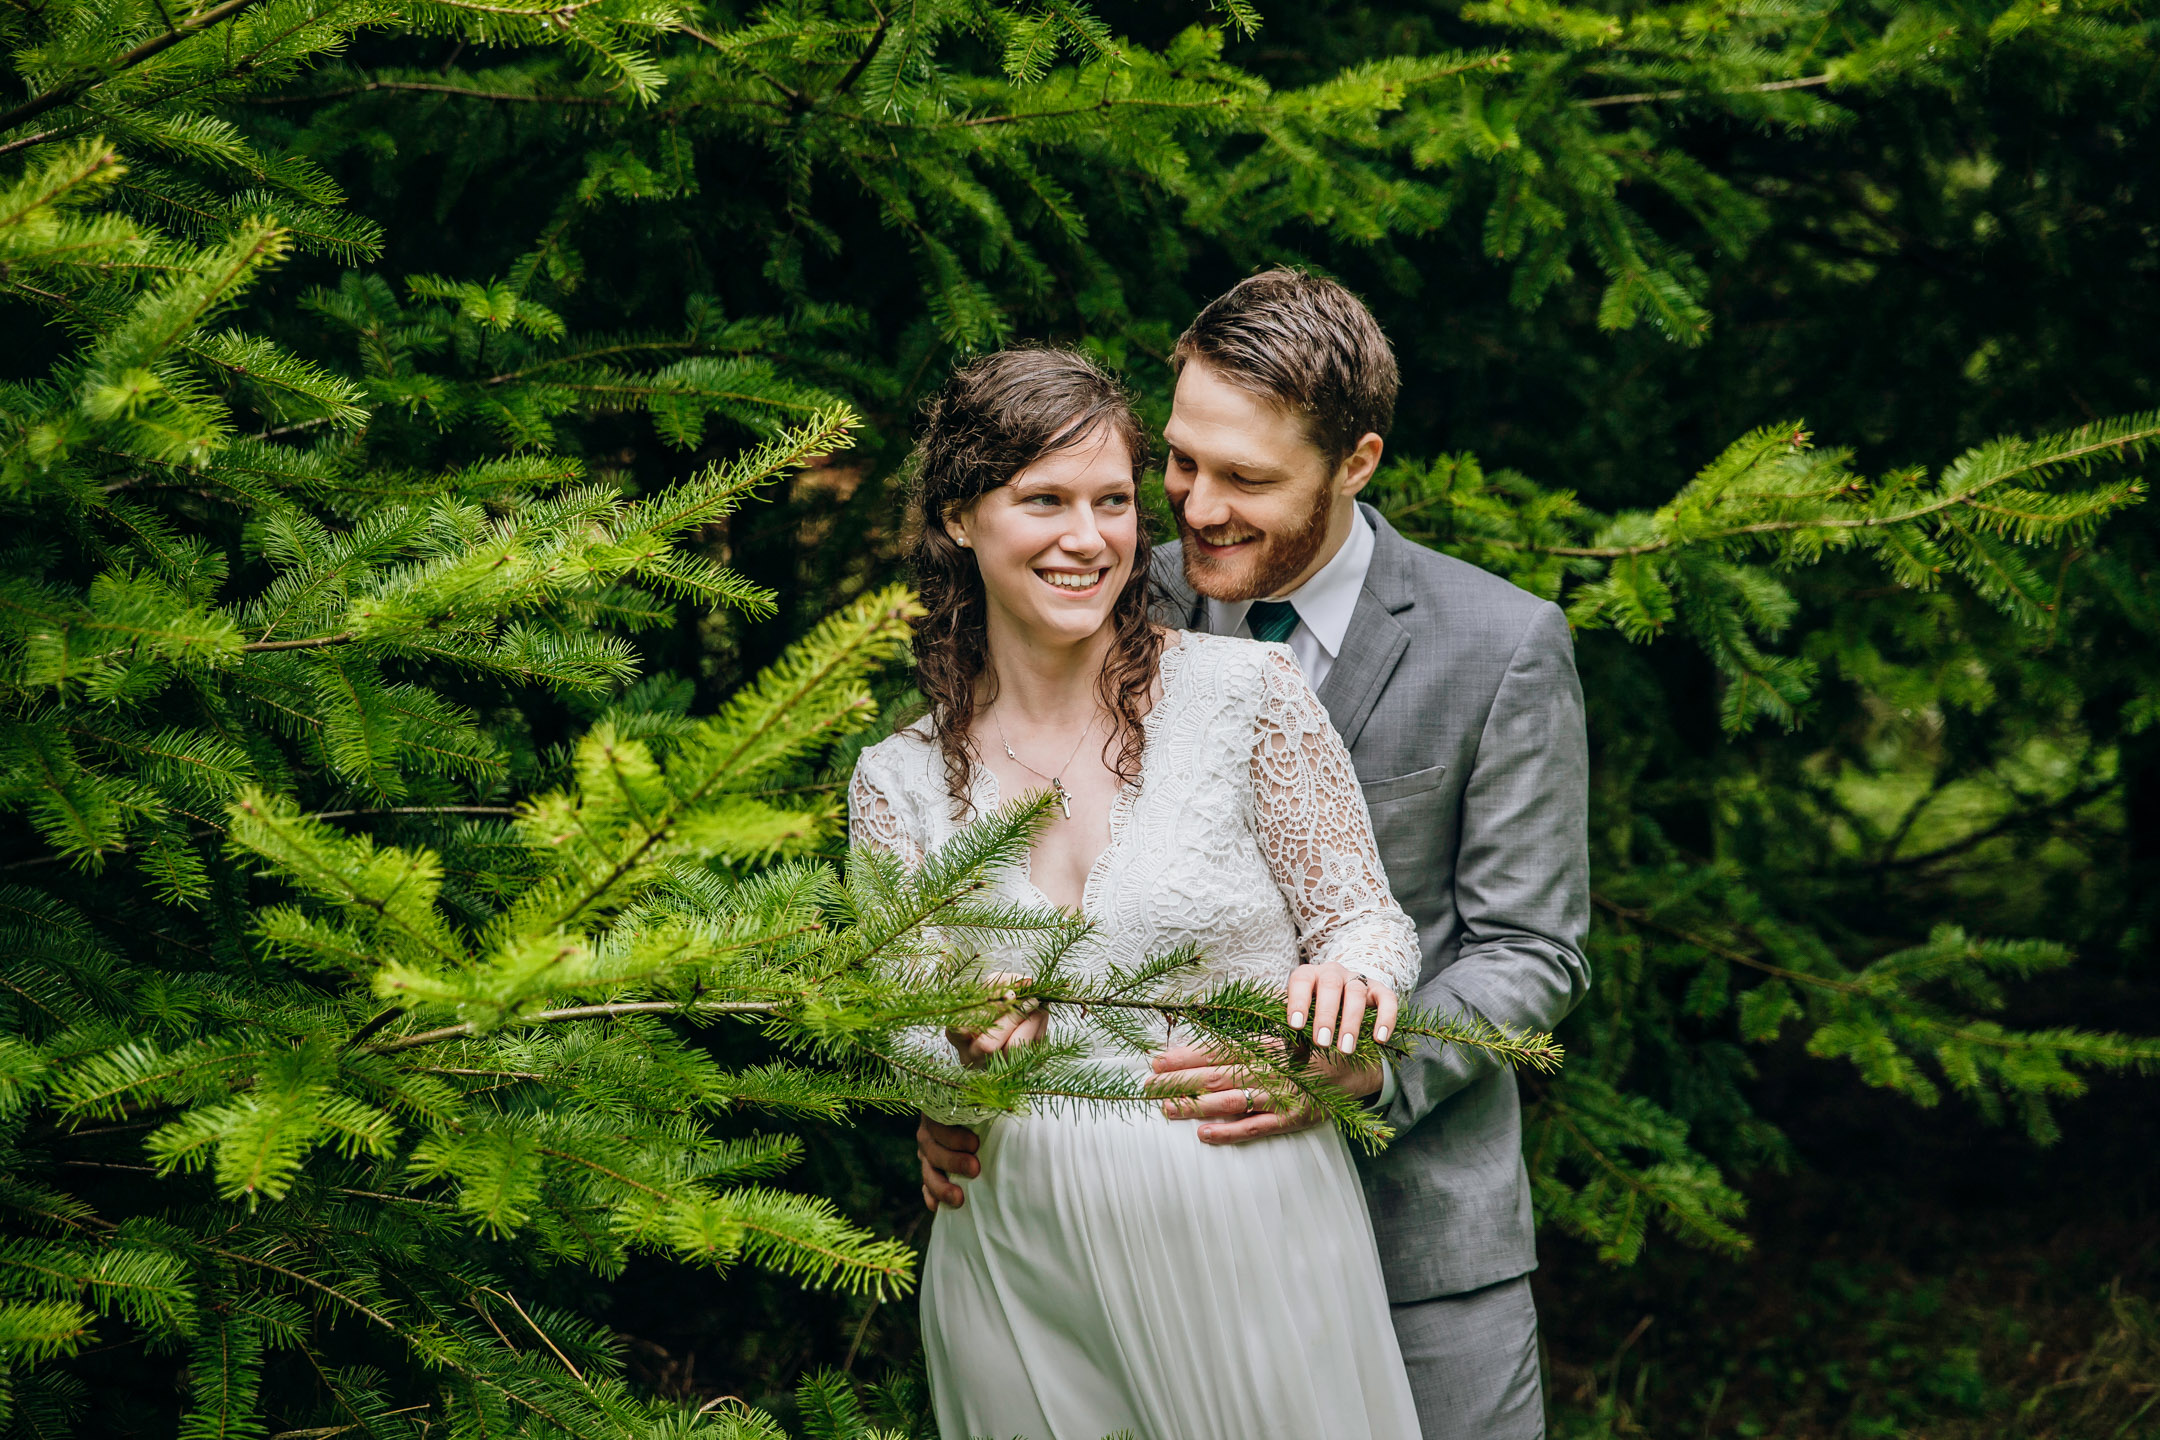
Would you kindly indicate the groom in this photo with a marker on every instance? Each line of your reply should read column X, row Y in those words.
column 1456, row 694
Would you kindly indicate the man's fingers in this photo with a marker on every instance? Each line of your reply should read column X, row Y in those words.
column 1239, row 1132
column 1206, row 1090
column 1183, row 1056
column 1199, row 1078
column 1261, row 1126
column 939, row 1189
column 951, row 1162
column 1202, row 1092
column 946, row 1150
column 1301, row 994
column 1221, row 1105
column 957, row 1138
column 1385, row 1006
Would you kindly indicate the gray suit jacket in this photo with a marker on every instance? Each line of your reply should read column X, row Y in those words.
column 1456, row 693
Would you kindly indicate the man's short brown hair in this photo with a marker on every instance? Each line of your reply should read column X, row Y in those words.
column 1306, row 343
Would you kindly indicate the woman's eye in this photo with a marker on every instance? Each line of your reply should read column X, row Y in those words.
column 1117, row 500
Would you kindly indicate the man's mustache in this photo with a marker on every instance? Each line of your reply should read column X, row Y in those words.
column 1220, row 534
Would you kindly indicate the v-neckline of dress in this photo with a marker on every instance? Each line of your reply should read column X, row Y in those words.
column 1172, row 661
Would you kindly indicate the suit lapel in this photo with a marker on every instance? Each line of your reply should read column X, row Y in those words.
column 1371, row 651
column 1181, row 606
column 1378, row 638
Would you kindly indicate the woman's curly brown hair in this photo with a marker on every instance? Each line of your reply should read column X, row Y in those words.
column 995, row 417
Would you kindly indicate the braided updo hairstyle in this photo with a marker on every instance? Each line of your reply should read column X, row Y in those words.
column 995, row 417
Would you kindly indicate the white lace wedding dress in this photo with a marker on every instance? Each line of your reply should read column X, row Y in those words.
column 1109, row 1272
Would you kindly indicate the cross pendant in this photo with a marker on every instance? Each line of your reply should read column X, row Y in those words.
column 1064, row 801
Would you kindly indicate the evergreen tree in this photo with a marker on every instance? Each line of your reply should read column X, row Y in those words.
column 338, row 996
column 1075, row 199
column 1687, row 939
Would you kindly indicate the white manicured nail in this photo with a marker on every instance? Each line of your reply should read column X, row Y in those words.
column 1297, row 1019
column 1379, row 1035
column 1349, row 1041
column 1321, row 1037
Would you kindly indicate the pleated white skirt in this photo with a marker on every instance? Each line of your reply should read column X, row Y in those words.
column 1111, row 1273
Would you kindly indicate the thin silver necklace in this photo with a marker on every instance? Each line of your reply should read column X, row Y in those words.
column 1057, row 782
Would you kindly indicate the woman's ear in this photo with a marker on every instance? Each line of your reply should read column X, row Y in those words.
column 954, row 519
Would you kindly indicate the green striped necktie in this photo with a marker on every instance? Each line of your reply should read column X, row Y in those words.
column 1271, row 620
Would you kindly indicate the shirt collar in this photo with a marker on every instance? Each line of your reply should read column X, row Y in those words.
column 1326, row 602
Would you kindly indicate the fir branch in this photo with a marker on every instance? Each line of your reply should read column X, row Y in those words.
column 69, row 93
column 2073, row 448
column 584, row 1012
column 313, row 1284
column 2110, row 1051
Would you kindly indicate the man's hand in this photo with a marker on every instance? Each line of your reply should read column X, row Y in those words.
column 1233, row 1107
column 945, row 1151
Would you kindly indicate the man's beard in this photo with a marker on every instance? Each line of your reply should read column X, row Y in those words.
column 1272, row 563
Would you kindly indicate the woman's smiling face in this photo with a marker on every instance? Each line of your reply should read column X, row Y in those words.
column 1055, row 543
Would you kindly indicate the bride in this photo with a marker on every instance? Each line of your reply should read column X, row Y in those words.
column 1108, row 1271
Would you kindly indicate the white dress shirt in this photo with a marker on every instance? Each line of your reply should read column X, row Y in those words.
column 1324, row 605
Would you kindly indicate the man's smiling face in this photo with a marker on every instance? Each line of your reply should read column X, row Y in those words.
column 1256, row 501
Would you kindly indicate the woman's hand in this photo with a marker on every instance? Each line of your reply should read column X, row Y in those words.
column 1334, row 999
column 1020, row 1024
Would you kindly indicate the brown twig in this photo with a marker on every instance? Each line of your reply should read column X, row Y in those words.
column 1646, row 96
column 512, row 1301
column 316, row 643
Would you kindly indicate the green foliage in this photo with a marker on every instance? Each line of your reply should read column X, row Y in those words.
column 365, row 1006
column 1683, row 942
column 1712, row 556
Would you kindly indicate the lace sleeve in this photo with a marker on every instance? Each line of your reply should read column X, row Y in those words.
column 874, row 824
column 1318, row 837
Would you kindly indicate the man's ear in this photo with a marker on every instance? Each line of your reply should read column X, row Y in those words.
column 1359, row 466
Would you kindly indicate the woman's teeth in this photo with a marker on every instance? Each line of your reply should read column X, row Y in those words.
column 1065, row 580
